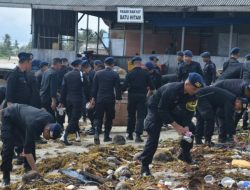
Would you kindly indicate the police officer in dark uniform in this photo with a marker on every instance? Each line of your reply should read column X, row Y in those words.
column 245, row 73
column 72, row 95
column 44, row 66
column 105, row 82
column 232, row 68
column 180, row 61
column 188, row 66
column 153, row 59
column 49, row 87
column 137, row 82
column 21, row 124
column 154, row 75
column 240, row 89
column 90, row 73
column 18, row 86
column 217, row 102
column 209, row 69
column 174, row 104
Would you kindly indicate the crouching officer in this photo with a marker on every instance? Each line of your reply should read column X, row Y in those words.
column 173, row 104
column 72, row 95
column 20, row 126
column 216, row 102
column 137, row 82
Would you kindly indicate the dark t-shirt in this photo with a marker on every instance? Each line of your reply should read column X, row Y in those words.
column 28, row 122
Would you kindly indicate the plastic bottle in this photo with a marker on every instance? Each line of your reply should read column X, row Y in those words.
column 244, row 185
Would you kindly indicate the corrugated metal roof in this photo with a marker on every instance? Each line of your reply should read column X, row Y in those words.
column 174, row 3
column 69, row 4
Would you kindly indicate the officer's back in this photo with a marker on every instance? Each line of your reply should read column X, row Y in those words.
column 104, row 83
column 74, row 85
column 49, row 83
column 232, row 68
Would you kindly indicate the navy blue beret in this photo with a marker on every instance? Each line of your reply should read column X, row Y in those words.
column 235, row 50
column 180, row 53
column 42, row 64
column 247, row 57
column 85, row 63
column 205, row 54
column 136, row 58
column 149, row 65
column 25, row 56
column 76, row 62
column 98, row 62
column 109, row 60
column 196, row 80
column 188, row 53
column 55, row 130
column 153, row 58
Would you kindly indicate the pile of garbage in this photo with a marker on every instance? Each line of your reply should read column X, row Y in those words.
column 117, row 167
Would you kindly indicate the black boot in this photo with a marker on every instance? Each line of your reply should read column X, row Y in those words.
column 91, row 131
column 107, row 138
column 65, row 139
column 6, row 179
column 198, row 141
column 19, row 160
column 130, row 137
column 208, row 142
column 145, row 171
column 138, row 139
column 185, row 154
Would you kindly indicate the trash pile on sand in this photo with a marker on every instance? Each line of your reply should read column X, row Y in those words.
column 117, row 167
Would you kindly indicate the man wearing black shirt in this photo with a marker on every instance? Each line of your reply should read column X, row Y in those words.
column 174, row 104
column 137, row 82
column 105, row 83
column 49, row 87
column 188, row 66
column 20, row 125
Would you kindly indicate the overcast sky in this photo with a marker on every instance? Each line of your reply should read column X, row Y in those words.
column 17, row 23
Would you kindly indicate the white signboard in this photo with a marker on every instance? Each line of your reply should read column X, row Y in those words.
column 130, row 15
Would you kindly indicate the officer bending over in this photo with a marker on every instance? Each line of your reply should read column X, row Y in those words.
column 20, row 126
column 173, row 104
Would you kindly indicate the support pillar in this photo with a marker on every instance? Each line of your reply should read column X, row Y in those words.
column 142, row 39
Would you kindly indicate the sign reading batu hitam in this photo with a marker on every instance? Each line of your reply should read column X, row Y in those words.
column 130, row 15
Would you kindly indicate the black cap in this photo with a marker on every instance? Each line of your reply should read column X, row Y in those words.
column 55, row 130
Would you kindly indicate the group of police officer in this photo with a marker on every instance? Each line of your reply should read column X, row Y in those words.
column 35, row 101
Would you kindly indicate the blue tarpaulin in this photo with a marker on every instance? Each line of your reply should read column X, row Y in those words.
column 179, row 22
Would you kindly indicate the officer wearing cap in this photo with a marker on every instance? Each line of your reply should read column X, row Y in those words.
column 18, row 83
column 232, row 68
column 105, row 82
column 137, row 83
column 216, row 102
column 179, row 59
column 153, row 59
column 245, row 74
column 209, row 69
column 189, row 66
column 44, row 66
column 49, row 87
column 174, row 104
column 72, row 95
column 21, row 124
column 154, row 75
column 240, row 89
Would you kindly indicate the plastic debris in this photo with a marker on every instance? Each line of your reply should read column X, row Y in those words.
column 227, row 182
column 244, row 184
column 209, row 179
